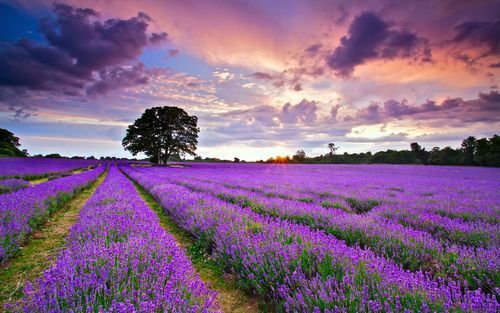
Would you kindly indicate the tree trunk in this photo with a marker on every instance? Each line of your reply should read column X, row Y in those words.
column 158, row 161
column 166, row 158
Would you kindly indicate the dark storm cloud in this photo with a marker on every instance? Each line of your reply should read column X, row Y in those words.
column 484, row 34
column 485, row 108
column 27, row 64
column 81, row 52
column 370, row 37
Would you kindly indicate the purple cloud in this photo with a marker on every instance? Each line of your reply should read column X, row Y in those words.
column 119, row 77
column 281, row 79
column 484, row 34
column 173, row 52
column 262, row 76
column 485, row 108
column 158, row 38
column 369, row 37
column 82, row 54
column 302, row 112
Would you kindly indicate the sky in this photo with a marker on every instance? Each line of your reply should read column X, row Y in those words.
column 264, row 78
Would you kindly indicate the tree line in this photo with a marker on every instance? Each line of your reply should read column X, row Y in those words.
column 482, row 152
column 168, row 133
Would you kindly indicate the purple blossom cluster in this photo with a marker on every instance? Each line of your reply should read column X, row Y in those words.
column 12, row 184
column 26, row 209
column 442, row 220
column 298, row 267
column 39, row 167
column 468, row 193
column 119, row 259
column 413, row 249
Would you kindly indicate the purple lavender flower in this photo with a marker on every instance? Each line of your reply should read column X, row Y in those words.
column 26, row 209
column 36, row 167
column 119, row 259
column 12, row 184
column 297, row 267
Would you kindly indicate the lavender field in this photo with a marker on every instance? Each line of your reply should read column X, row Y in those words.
column 39, row 167
column 296, row 238
column 327, row 156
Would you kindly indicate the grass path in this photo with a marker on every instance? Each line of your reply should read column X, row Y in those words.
column 43, row 179
column 41, row 248
column 231, row 298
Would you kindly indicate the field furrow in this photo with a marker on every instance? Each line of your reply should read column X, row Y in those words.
column 42, row 248
column 25, row 210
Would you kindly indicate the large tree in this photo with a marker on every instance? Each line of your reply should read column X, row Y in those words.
column 161, row 132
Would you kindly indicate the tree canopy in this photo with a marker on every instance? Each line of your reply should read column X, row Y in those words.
column 9, row 144
column 162, row 132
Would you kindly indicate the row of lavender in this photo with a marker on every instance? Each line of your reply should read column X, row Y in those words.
column 457, row 218
column 12, row 184
column 413, row 249
column 39, row 167
column 458, row 192
column 450, row 256
column 467, row 232
column 302, row 269
column 119, row 259
column 418, row 215
column 26, row 209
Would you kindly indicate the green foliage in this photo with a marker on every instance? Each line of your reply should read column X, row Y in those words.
column 7, row 152
column 487, row 151
column 162, row 132
column 9, row 144
column 306, row 199
column 421, row 155
column 484, row 152
column 334, row 205
column 299, row 156
column 469, row 148
column 53, row 156
column 8, row 138
column 362, row 206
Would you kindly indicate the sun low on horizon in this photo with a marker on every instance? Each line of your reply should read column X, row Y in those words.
column 264, row 78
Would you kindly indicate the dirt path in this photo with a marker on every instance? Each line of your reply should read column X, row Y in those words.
column 41, row 249
column 231, row 298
